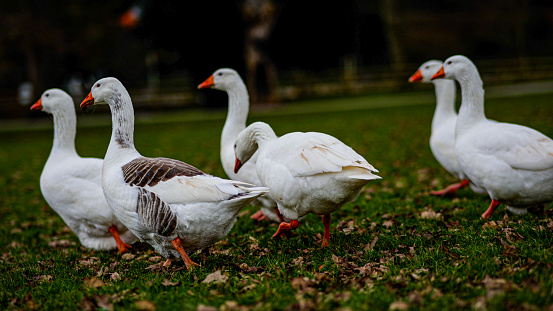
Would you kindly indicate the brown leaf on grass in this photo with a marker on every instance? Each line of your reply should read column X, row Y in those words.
column 103, row 301
column 115, row 276
column 88, row 304
column 202, row 307
column 428, row 213
column 494, row 287
column 298, row 261
column 167, row 282
column 371, row 245
column 155, row 267
column 215, row 277
column 144, row 305
column 454, row 224
column 89, row 262
column 93, row 282
column 388, row 223
column 398, row 305
column 301, row 283
column 44, row 278
column 61, row 243
column 127, row 256
column 508, row 249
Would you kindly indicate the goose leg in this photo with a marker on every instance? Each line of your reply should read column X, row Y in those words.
column 122, row 246
column 326, row 224
column 178, row 246
column 258, row 215
column 286, row 227
column 167, row 263
column 490, row 209
column 452, row 188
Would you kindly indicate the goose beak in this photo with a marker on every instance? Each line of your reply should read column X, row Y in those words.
column 416, row 77
column 37, row 105
column 237, row 165
column 438, row 75
column 207, row 83
column 88, row 101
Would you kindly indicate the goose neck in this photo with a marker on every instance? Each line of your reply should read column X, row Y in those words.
column 122, row 117
column 238, row 109
column 472, row 103
column 65, row 128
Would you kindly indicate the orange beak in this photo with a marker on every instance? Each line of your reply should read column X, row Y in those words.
column 439, row 74
column 237, row 165
column 37, row 105
column 88, row 101
column 207, row 83
column 416, row 77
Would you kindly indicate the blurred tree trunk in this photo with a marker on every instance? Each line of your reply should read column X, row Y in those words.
column 396, row 52
column 260, row 16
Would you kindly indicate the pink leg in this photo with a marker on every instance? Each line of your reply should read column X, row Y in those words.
column 326, row 223
column 178, row 246
column 258, row 215
column 490, row 209
column 122, row 246
column 285, row 227
column 452, row 188
column 167, row 263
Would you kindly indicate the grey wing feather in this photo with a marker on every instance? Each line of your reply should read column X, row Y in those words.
column 155, row 214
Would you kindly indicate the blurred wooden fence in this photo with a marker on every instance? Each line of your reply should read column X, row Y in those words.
column 294, row 85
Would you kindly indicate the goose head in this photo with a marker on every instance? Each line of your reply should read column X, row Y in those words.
column 244, row 147
column 247, row 142
column 426, row 71
column 455, row 68
column 223, row 79
column 104, row 91
column 53, row 100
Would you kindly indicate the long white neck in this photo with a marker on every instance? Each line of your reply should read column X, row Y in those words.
column 239, row 104
column 122, row 118
column 472, row 103
column 65, row 128
column 445, row 100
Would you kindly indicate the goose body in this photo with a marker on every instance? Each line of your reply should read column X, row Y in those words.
column 513, row 163
column 167, row 203
column 228, row 80
column 442, row 138
column 72, row 185
column 305, row 172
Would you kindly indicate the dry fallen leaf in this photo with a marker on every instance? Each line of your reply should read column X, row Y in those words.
column 399, row 305
column 206, row 308
column 115, row 276
column 167, row 282
column 215, row 277
column 127, row 256
column 430, row 214
column 145, row 305
column 93, row 282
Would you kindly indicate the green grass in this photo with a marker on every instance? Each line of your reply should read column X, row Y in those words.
column 454, row 261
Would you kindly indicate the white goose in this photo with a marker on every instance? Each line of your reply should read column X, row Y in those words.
column 169, row 204
column 513, row 163
column 442, row 138
column 305, row 172
column 228, row 80
column 72, row 185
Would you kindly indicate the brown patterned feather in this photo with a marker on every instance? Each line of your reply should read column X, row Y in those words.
column 150, row 171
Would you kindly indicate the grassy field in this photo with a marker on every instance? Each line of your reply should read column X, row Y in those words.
column 396, row 247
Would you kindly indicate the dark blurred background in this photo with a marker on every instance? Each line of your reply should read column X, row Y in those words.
column 284, row 50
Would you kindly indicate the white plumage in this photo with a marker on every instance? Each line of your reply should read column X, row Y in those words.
column 513, row 163
column 72, row 185
column 169, row 204
column 228, row 80
column 442, row 138
column 305, row 172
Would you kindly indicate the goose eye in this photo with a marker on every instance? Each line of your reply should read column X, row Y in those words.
column 449, row 63
column 234, row 146
column 47, row 95
column 220, row 74
column 98, row 85
column 427, row 67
